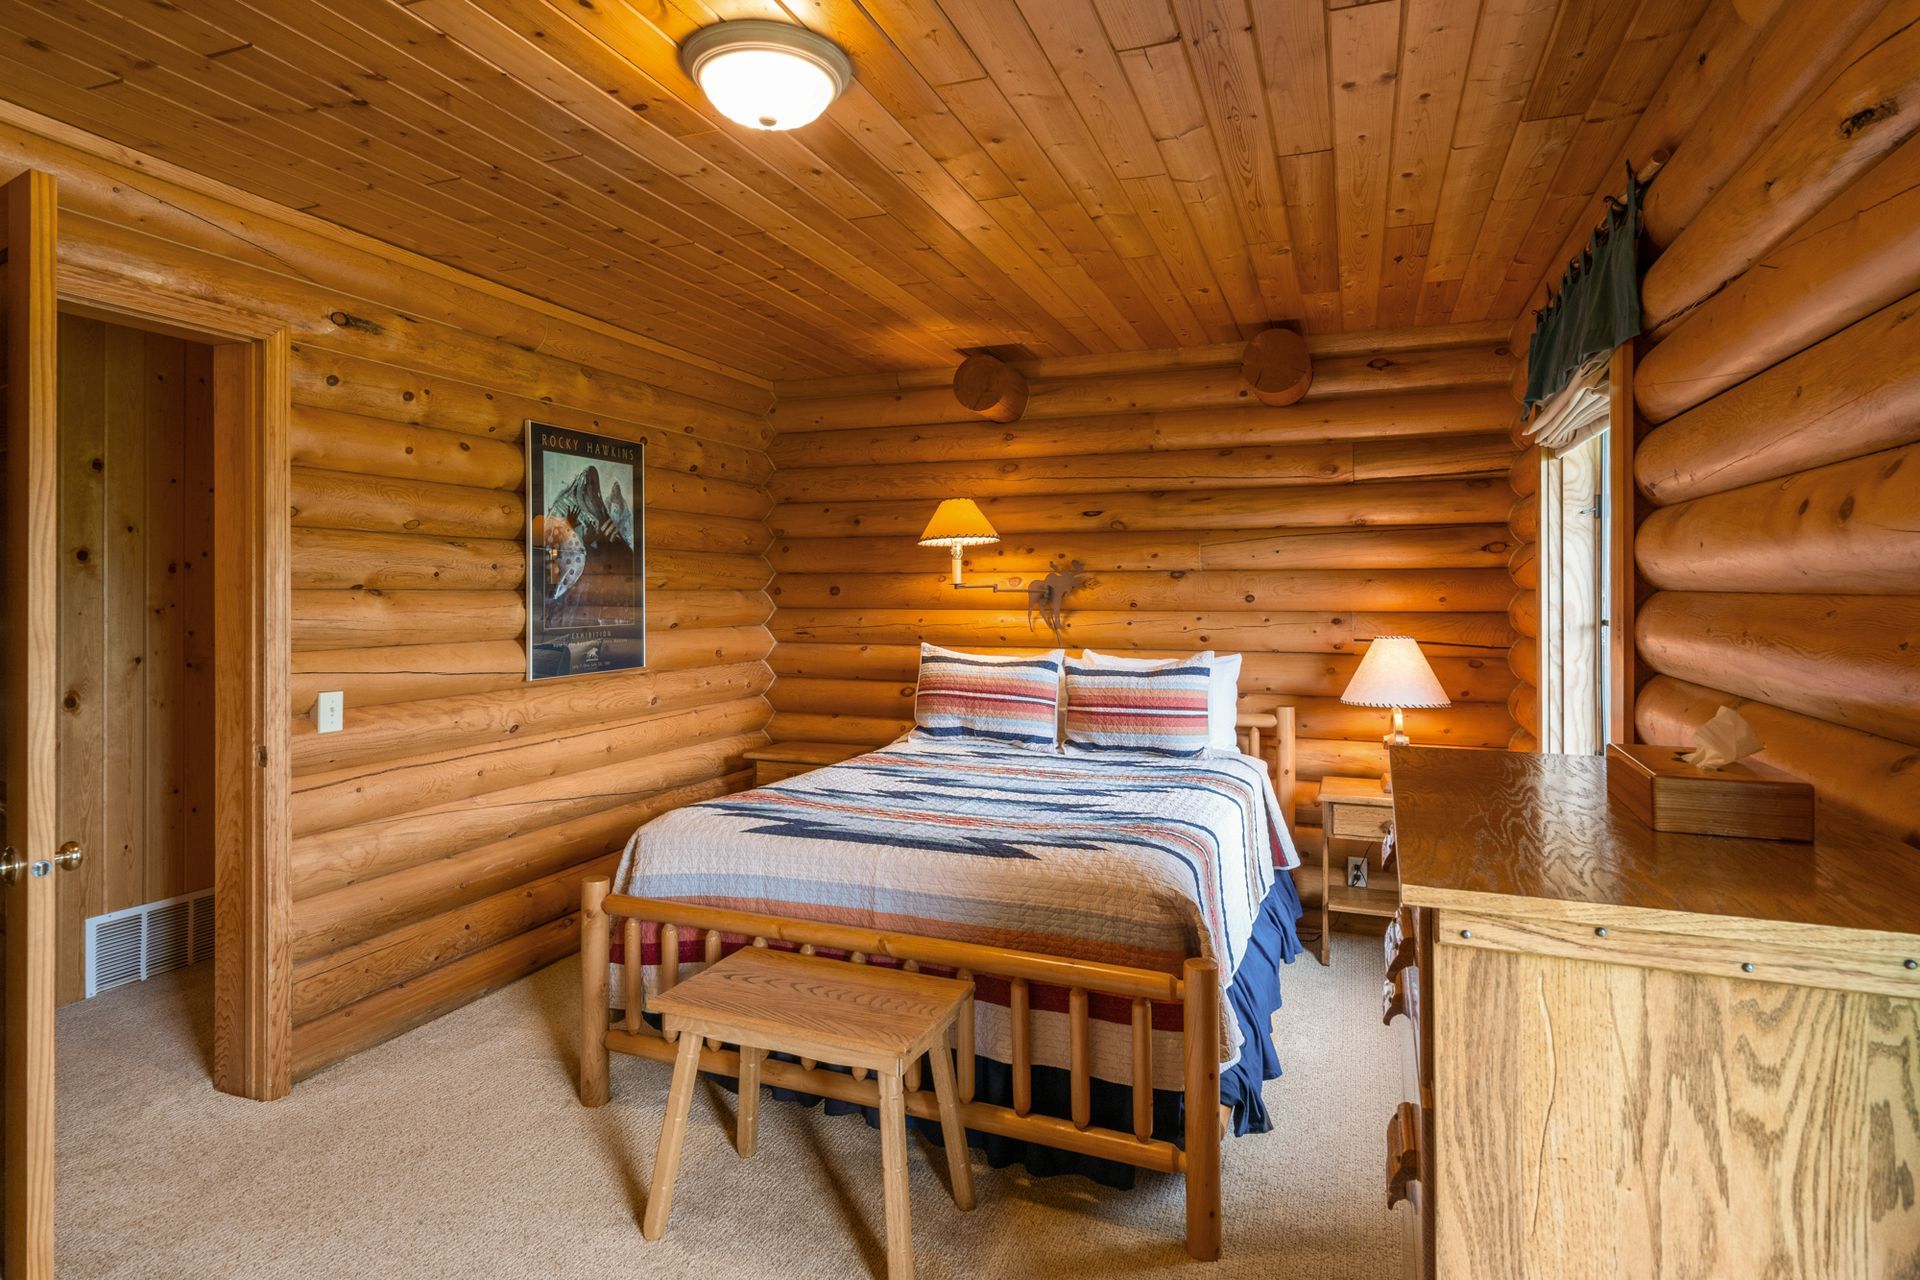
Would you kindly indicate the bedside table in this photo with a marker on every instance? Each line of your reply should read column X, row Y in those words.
column 1353, row 809
column 780, row 760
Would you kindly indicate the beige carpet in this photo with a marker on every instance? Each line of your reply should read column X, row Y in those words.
column 460, row 1151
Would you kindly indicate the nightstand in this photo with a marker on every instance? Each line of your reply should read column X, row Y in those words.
column 780, row 760
column 1353, row 810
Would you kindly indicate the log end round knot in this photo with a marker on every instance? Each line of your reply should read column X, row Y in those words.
column 988, row 386
column 1277, row 368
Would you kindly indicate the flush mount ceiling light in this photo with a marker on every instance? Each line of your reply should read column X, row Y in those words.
column 766, row 75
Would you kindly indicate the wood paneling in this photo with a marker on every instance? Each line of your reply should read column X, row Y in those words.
column 136, row 624
column 1058, row 178
column 1293, row 541
column 404, row 585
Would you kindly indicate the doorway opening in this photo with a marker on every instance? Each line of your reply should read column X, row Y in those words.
column 136, row 659
column 172, row 731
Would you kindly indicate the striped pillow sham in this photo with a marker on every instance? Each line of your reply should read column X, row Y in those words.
column 973, row 696
column 1158, row 709
column 1223, row 697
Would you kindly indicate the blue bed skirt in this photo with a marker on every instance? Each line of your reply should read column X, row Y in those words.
column 1254, row 996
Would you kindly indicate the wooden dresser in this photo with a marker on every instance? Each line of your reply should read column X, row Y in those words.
column 1648, row 1054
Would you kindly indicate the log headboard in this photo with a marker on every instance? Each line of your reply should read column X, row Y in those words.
column 1270, row 736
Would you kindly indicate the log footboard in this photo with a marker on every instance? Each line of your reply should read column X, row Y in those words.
column 1197, row 990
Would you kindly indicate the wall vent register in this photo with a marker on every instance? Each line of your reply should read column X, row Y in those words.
column 141, row 942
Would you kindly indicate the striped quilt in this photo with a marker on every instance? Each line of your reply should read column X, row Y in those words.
column 1128, row 859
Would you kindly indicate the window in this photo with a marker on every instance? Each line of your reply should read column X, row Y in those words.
column 1576, row 570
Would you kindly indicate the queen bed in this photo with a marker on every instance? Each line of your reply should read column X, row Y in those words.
column 1122, row 915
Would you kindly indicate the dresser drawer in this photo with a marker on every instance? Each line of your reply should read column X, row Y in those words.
column 1361, row 822
column 765, row 771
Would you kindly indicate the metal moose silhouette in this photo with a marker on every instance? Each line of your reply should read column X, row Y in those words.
column 1047, row 597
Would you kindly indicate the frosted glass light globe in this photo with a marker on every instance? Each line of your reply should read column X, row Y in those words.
column 767, row 88
column 766, row 75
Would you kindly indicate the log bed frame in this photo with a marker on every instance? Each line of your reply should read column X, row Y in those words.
column 1196, row 989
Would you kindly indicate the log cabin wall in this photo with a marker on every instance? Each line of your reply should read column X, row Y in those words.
column 136, row 625
column 1778, row 401
column 439, row 840
column 1376, row 505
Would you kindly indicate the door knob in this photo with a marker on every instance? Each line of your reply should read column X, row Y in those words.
column 70, row 856
column 11, row 865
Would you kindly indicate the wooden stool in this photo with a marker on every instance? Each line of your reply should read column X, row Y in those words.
column 857, row 1016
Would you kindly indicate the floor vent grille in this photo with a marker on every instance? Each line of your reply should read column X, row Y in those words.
column 139, row 942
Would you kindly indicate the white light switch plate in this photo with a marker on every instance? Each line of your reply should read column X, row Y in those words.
column 330, row 712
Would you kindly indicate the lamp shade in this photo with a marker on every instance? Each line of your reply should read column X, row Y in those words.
column 1394, row 673
column 958, row 522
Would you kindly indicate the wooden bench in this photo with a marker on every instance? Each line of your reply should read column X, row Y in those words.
column 858, row 1016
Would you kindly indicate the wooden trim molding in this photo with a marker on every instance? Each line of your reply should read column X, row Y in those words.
column 253, row 904
column 28, row 317
column 1769, row 951
column 1623, row 675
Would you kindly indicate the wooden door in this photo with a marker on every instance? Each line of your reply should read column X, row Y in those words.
column 30, row 687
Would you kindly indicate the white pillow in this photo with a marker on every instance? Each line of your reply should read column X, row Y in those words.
column 1223, row 702
column 1223, row 690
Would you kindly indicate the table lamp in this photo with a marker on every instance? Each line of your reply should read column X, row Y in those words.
column 1394, row 674
column 958, row 523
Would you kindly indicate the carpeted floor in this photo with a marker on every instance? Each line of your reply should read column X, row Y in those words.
column 460, row 1151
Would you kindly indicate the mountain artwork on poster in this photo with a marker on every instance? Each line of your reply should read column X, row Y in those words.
column 586, row 555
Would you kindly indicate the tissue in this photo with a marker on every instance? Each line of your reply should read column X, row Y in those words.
column 1722, row 740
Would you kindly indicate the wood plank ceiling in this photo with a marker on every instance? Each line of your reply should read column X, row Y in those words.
column 1053, row 177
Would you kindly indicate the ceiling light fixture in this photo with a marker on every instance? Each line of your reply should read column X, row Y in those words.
column 766, row 75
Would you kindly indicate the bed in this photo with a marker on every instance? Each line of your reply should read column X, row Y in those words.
column 1122, row 918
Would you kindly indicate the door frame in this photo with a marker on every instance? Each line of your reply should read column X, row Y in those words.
column 252, row 644
column 32, row 736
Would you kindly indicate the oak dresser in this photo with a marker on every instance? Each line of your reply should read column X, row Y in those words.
column 1648, row 1054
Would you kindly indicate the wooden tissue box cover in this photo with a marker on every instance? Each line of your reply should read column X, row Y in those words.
column 1743, row 799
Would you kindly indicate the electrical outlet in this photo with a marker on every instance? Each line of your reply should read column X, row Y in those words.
column 330, row 712
column 1356, row 873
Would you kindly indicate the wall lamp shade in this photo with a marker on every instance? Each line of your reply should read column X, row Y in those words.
column 766, row 75
column 1394, row 673
column 958, row 522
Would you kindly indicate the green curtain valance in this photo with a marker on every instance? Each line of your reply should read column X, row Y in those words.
column 1598, row 306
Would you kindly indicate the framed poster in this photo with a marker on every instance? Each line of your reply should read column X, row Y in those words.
column 586, row 553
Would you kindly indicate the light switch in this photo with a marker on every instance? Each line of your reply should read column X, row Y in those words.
column 330, row 712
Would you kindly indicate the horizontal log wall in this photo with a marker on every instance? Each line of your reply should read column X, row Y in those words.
column 1379, row 504
column 440, row 839
column 408, row 576
column 1783, row 477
